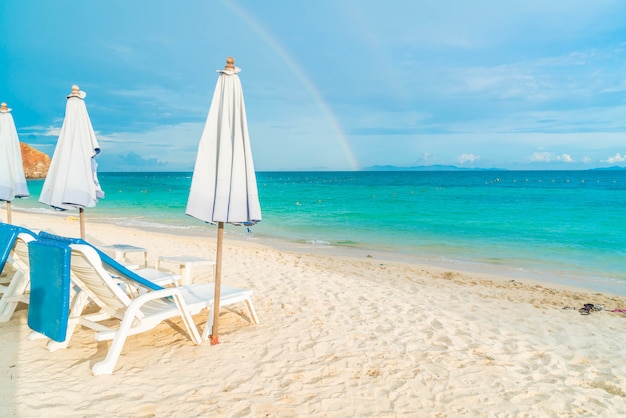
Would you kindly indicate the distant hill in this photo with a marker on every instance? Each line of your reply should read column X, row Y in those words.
column 615, row 167
column 437, row 167
column 34, row 162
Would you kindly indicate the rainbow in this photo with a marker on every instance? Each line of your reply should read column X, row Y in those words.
column 301, row 75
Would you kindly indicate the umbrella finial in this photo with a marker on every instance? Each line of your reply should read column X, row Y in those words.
column 3, row 107
column 230, row 64
column 76, row 92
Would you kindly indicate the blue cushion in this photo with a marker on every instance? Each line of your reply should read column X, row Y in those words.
column 48, row 311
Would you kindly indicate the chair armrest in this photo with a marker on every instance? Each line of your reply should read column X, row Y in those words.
column 176, row 295
column 154, row 294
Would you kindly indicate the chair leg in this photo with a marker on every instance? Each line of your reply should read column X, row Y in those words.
column 188, row 320
column 107, row 365
column 78, row 304
column 252, row 316
column 208, row 328
column 12, row 296
column 251, row 312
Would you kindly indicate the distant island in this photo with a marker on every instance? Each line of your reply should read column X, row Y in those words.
column 615, row 167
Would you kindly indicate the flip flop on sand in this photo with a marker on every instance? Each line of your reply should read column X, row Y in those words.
column 588, row 307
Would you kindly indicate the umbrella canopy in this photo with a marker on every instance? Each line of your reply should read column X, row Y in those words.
column 72, row 180
column 223, row 186
column 12, row 179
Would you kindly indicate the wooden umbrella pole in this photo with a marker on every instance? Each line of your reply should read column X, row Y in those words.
column 81, row 215
column 218, row 280
column 8, row 212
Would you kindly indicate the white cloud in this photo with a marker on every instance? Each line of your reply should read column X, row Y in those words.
column 468, row 158
column 43, row 130
column 174, row 147
column 617, row 158
column 544, row 157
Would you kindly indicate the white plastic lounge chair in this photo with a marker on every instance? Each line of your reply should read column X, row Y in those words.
column 14, row 286
column 135, row 315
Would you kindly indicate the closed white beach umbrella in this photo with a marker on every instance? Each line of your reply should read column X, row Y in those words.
column 223, row 186
column 72, row 180
column 12, row 179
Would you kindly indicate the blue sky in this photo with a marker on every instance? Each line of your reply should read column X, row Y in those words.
column 329, row 85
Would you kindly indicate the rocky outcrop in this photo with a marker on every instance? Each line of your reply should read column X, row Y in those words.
column 35, row 162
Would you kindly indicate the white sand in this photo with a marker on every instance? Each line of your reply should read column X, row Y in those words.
column 338, row 337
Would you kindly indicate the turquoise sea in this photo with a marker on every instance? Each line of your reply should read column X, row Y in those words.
column 556, row 226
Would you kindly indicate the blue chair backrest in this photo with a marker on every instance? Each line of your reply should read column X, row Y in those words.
column 8, row 235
